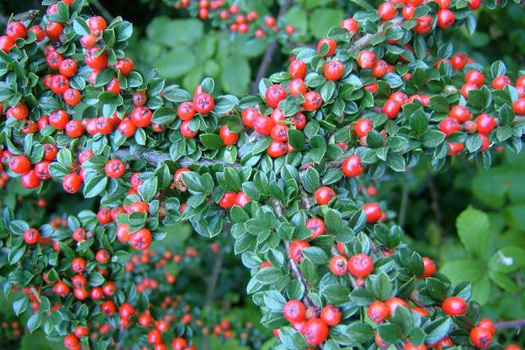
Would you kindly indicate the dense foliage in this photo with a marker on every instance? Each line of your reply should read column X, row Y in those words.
column 107, row 171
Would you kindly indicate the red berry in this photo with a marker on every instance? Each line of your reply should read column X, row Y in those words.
column 228, row 200
column 393, row 303
column 500, row 82
column 360, row 265
column 71, row 183
column 313, row 101
column 429, row 268
column 352, row 166
column 31, row 236
column 54, row 30
column 410, row 346
column 274, row 94
column 487, row 324
column 125, row 66
column 323, row 195
column 485, row 123
column 249, row 115
column 115, row 168
column 387, row 11
column 6, row 43
column 242, row 199
column 331, row 315
column 474, row 77
column 446, row 18
column 449, row 125
column 362, row 127
column 338, row 265
column 294, row 311
column 350, row 24
column 96, row 59
column 297, row 69
column 378, row 311
column 141, row 117
column 296, row 248
column 460, row 113
column 78, row 265
column 316, row 226
column 519, row 106
column 373, row 212
column 185, row 111
column 263, row 125
column 19, row 164
column 424, row 24
column 334, row 70
column 315, row 331
column 141, row 239
column 455, row 306
column 16, row 30
column 391, row 108
column 327, row 42
column 296, row 87
column 96, row 25
column 71, row 342
column 179, row 344
column 366, row 59
column 203, row 103
column 19, row 111
column 228, row 137
column 30, row 179
column 481, row 337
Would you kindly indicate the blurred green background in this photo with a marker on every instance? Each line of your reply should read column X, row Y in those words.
column 433, row 208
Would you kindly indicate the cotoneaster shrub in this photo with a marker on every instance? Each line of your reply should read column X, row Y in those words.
column 280, row 172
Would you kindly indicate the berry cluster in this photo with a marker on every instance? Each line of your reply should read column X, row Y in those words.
column 231, row 16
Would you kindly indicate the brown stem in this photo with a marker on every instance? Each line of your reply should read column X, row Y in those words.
column 268, row 56
column 414, row 297
column 214, row 278
column 366, row 39
column 299, row 276
column 510, row 324
column 279, row 211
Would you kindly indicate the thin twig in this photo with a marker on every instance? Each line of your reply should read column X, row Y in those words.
column 299, row 277
column 279, row 211
column 268, row 56
column 103, row 11
column 214, row 278
column 510, row 324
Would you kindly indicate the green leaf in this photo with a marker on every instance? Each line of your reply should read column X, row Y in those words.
column 311, row 180
column 95, row 186
column 20, row 305
column 33, row 322
column 380, row 285
column 164, row 116
column 507, row 259
column 318, row 148
column 235, row 76
column 437, row 329
column 321, row 20
column 419, row 122
column 474, row 230
column 296, row 139
column 333, row 220
column 439, row 104
column 211, row 141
